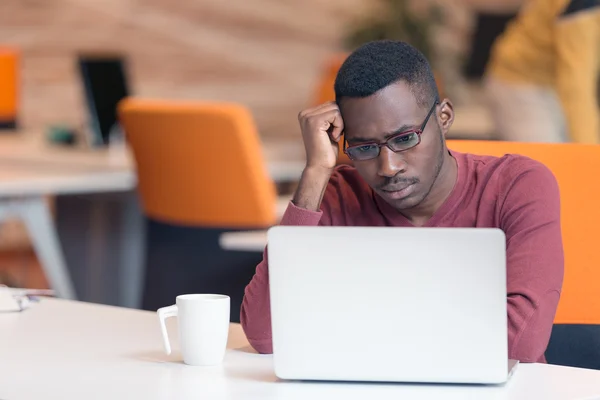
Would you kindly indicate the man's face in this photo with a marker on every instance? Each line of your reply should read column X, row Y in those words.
column 403, row 179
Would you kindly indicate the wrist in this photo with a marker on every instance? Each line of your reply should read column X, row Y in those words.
column 317, row 172
column 311, row 188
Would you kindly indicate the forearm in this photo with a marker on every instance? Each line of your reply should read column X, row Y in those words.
column 530, row 317
column 255, row 315
column 311, row 188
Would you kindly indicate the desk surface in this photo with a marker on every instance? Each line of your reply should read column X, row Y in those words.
column 244, row 240
column 23, row 180
column 60, row 349
column 34, row 166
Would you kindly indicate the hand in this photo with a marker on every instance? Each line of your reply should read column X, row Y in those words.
column 322, row 129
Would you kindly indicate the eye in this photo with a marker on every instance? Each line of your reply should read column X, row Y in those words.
column 403, row 139
column 365, row 148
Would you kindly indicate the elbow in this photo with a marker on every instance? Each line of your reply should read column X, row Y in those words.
column 262, row 346
column 530, row 327
column 527, row 356
column 258, row 336
column 260, row 341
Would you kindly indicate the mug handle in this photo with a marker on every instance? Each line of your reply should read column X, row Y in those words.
column 163, row 314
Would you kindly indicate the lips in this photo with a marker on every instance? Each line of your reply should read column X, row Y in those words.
column 399, row 193
column 395, row 189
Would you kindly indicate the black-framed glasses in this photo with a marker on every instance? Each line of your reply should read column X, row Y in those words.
column 399, row 142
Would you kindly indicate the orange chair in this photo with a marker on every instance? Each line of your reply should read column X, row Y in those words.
column 324, row 91
column 9, row 82
column 576, row 335
column 200, row 172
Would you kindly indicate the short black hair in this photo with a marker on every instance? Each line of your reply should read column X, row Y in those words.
column 378, row 64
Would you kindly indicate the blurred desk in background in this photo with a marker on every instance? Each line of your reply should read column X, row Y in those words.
column 284, row 160
column 96, row 226
column 97, row 233
column 244, row 241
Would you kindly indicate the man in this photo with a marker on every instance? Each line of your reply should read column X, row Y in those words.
column 391, row 123
column 543, row 72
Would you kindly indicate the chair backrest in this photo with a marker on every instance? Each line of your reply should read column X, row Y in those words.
column 575, row 339
column 199, row 163
column 9, row 69
column 324, row 91
column 575, row 167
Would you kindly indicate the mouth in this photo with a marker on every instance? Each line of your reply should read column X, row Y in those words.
column 399, row 193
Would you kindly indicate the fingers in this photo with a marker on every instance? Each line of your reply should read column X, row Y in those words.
column 317, row 110
column 326, row 118
column 321, row 127
column 337, row 126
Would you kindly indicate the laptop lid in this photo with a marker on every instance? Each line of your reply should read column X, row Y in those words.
column 389, row 304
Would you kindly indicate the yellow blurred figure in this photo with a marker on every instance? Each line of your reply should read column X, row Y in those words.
column 543, row 72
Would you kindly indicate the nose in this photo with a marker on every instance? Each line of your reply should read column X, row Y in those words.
column 390, row 163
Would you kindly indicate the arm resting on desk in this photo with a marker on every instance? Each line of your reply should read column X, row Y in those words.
column 255, row 314
column 530, row 218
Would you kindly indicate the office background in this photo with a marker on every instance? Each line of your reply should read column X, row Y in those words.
column 265, row 54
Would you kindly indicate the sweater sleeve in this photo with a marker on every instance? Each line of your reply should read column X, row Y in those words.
column 255, row 314
column 578, row 54
column 530, row 218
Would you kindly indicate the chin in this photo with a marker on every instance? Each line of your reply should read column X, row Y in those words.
column 405, row 204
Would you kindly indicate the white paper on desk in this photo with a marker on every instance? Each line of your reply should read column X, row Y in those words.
column 8, row 303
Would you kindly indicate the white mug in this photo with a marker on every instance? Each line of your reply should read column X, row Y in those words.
column 203, row 321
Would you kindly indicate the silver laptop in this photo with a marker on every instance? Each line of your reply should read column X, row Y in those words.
column 389, row 304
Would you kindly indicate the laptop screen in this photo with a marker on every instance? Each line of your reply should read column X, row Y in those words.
column 105, row 85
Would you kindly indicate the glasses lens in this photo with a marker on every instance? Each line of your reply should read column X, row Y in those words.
column 404, row 142
column 365, row 152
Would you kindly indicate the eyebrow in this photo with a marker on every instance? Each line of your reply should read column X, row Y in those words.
column 403, row 128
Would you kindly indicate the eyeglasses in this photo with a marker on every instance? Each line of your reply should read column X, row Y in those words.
column 397, row 143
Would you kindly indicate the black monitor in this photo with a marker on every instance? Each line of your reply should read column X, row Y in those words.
column 105, row 84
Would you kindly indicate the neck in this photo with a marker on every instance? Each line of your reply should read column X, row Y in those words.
column 441, row 189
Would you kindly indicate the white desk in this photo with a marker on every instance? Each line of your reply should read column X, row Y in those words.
column 22, row 191
column 31, row 169
column 285, row 160
column 244, row 240
column 66, row 350
column 21, row 179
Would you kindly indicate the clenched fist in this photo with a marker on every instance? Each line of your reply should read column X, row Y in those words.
column 322, row 128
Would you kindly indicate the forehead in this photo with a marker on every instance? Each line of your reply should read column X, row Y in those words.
column 381, row 113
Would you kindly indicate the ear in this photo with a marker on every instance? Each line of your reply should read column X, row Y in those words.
column 445, row 116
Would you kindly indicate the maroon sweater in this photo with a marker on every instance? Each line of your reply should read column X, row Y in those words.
column 513, row 193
